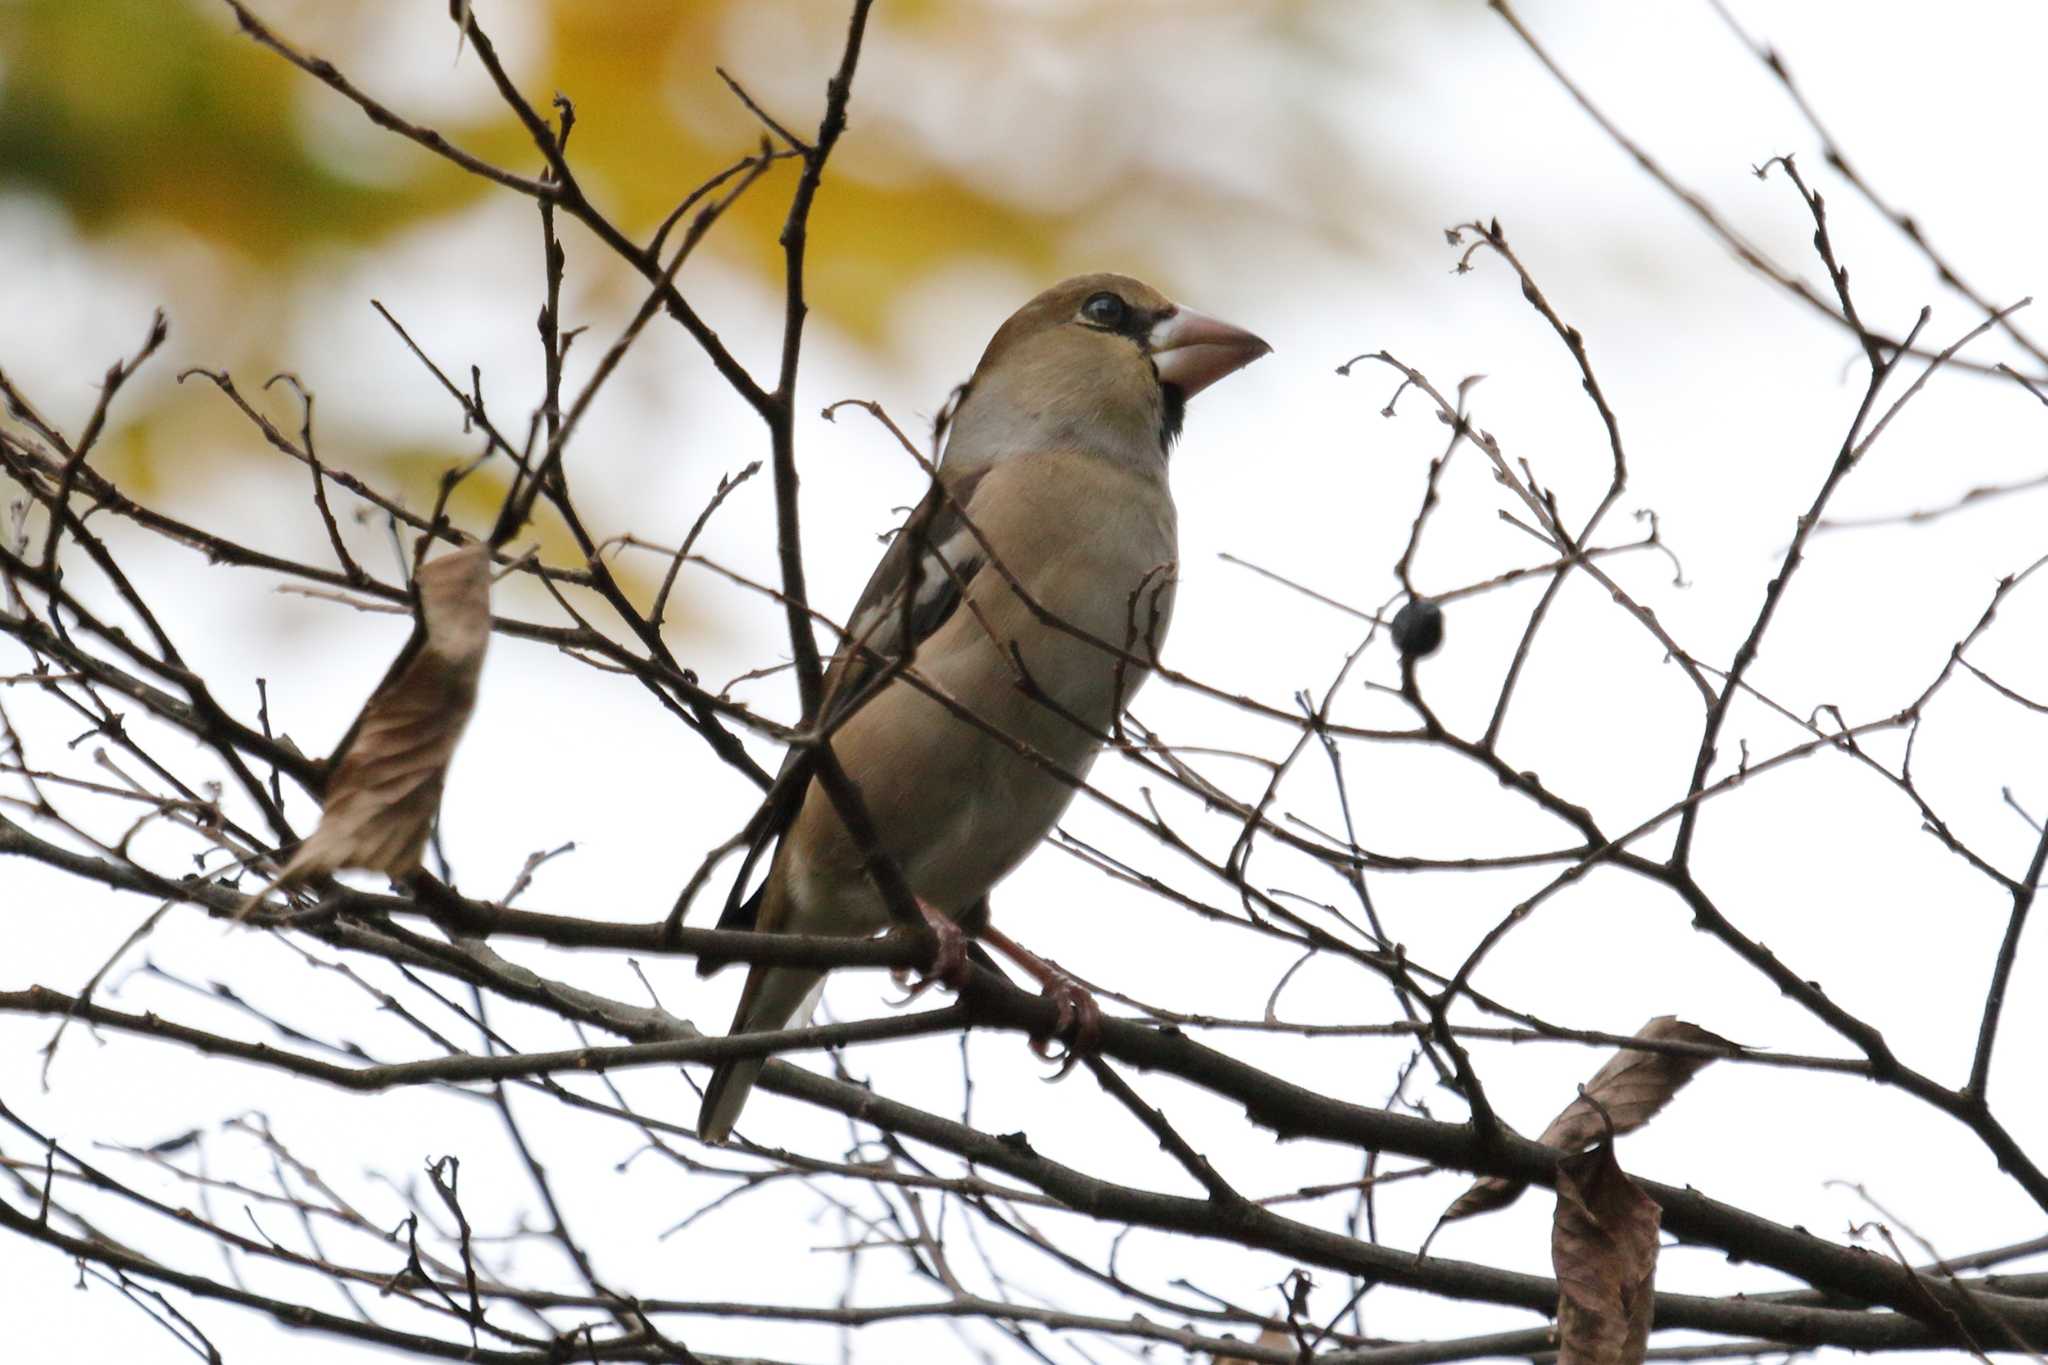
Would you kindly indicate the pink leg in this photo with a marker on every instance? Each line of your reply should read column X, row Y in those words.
column 949, row 965
column 1079, row 1020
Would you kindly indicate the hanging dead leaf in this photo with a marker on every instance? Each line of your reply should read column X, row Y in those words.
column 384, row 788
column 1632, row 1086
column 1603, row 1247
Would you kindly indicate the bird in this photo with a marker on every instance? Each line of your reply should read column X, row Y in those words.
column 1002, row 633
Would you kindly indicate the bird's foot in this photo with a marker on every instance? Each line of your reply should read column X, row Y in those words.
column 1077, row 1024
column 949, row 965
column 1077, row 1021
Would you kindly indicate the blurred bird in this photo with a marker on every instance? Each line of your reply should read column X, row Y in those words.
column 1053, row 482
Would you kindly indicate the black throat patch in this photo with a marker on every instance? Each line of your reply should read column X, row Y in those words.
column 1173, row 409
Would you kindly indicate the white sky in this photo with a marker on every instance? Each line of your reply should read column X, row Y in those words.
column 1732, row 400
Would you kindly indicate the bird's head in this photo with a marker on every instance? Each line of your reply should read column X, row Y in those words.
column 1100, row 361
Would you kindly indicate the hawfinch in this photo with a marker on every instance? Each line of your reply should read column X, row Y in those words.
column 1053, row 480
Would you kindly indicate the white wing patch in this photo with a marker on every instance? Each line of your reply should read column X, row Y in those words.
column 943, row 570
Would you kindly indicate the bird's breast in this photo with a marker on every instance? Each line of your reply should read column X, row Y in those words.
column 1074, row 603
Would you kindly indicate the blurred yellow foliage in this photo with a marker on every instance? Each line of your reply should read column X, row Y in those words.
column 1044, row 137
column 128, row 111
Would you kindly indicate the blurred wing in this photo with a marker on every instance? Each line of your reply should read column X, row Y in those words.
column 944, row 554
column 886, row 627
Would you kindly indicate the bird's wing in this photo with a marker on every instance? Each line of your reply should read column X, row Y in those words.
column 929, row 563
column 914, row 590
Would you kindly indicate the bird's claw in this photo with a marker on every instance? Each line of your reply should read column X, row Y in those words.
column 1077, row 1025
column 949, row 966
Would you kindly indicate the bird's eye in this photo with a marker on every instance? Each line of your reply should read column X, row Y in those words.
column 1105, row 310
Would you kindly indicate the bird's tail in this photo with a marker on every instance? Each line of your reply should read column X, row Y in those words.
column 739, row 914
column 774, row 998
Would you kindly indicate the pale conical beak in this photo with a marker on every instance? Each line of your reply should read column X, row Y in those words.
column 1193, row 351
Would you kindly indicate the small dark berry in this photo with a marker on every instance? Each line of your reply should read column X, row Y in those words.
column 1418, row 628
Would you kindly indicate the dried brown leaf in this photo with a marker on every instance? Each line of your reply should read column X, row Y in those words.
column 1603, row 1247
column 385, row 787
column 1633, row 1086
